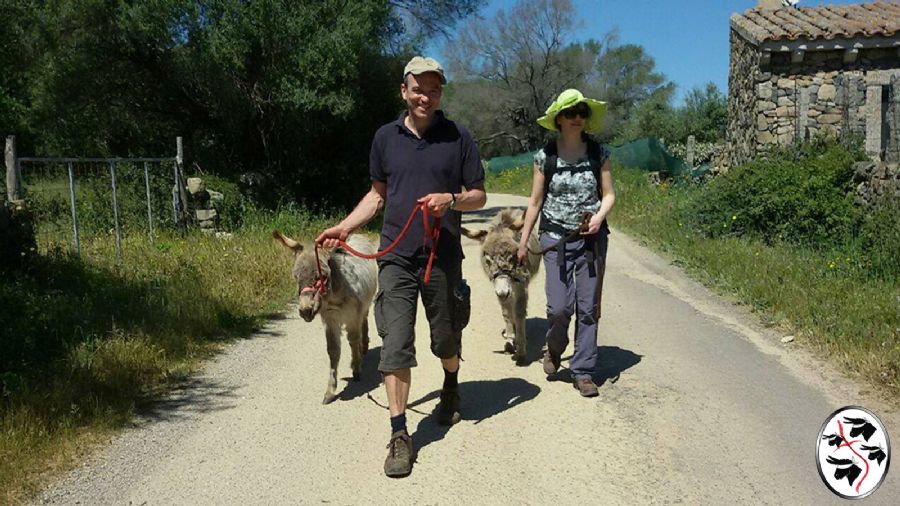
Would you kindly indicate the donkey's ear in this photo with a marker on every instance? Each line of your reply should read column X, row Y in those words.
column 478, row 235
column 288, row 243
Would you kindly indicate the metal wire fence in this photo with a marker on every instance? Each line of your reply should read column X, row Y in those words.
column 73, row 200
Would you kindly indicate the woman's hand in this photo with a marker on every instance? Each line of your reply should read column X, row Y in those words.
column 522, row 253
column 593, row 225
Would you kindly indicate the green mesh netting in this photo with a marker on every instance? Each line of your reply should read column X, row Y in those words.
column 649, row 155
column 645, row 154
column 501, row 163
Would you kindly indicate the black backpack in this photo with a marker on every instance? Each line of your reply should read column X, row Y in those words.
column 595, row 156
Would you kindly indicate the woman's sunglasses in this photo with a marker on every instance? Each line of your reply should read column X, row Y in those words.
column 579, row 110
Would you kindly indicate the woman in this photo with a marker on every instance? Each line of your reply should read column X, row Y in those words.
column 573, row 193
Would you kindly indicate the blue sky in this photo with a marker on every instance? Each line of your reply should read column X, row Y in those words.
column 688, row 38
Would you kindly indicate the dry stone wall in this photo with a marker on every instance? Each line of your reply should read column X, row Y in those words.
column 740, row 137
column 821, row 95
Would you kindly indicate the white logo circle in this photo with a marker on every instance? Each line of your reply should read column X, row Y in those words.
column 853, row 452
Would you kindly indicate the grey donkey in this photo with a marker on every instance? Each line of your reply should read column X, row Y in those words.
column 349, row 288
column 499, row 245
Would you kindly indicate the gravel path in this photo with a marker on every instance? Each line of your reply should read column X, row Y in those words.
column 698, row 404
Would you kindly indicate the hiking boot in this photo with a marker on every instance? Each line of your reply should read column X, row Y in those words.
column 448, row 408
column 551, row 363
column 586, row 387
column 399, row 459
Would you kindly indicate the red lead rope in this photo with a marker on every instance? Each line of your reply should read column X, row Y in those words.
column 433, row 233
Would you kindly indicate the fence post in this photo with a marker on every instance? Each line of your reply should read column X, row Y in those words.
column 149, row 205
column 112, row 172
column 72, row 198
column 690, row 151
column 13, row 177
column 179, row 195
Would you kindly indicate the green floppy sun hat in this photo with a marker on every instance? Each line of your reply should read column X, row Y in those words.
column 571, row 98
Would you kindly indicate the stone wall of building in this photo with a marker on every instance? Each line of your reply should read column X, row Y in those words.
column 821, row 95
column 743, row 71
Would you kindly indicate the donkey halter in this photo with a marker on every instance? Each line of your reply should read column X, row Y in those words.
column 320, row 284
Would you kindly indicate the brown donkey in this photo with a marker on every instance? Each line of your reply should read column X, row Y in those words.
column 499, row 245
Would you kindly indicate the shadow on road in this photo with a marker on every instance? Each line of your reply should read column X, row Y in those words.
column 370, row 380
column 536, row 331
column 612, row 361
column 480, row 400
column 190, row 399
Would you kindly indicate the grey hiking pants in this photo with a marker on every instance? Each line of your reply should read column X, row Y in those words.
column 572, row 289
column 400, row 282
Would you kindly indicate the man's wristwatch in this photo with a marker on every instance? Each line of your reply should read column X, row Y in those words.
column 452, row 201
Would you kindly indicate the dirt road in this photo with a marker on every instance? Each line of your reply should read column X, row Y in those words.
column 698, row 404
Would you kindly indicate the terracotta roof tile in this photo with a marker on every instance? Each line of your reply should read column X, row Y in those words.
column 876, row 19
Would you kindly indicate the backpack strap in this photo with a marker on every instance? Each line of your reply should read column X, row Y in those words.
column 595, row 155
column 550, row 166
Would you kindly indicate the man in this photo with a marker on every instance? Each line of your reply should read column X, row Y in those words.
column 422, row 157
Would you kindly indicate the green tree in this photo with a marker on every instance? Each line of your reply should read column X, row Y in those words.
column 654, row 117
column 290, row 91
column 16, row 43
column 509, row 68
column 705, row 113
column 626, row 77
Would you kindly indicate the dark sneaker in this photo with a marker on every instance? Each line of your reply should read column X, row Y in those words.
column 448, row 408
column 586, row 387
column 551, row 363
column 399, row 459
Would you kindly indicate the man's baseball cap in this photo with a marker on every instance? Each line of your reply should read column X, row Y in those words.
column 419, row 65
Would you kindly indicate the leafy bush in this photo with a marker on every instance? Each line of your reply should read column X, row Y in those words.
column 800, row 196
column 879, row 239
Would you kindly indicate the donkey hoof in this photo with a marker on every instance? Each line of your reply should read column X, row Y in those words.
column 329, row 398
column 357, row 376
column 521, row 360
column 509, row 347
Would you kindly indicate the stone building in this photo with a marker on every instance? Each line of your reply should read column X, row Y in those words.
column 796, row 73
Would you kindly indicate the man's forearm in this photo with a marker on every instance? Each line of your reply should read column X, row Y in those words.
column 368, row 207
column 470, row 200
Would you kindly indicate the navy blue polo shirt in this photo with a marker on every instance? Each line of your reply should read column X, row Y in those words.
column 444, row 160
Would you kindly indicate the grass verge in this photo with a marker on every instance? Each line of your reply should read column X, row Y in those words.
column 87, row 341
